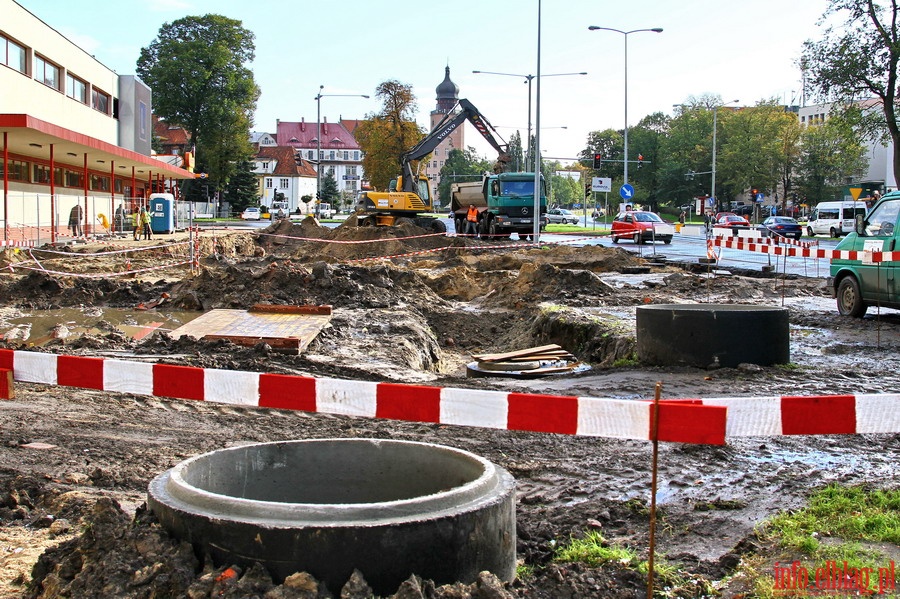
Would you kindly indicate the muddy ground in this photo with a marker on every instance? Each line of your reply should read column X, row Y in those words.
column 75, row 464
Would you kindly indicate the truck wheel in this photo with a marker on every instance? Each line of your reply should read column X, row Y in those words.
column 810, row 231
column 438, row 226
column 834, row 232
column 667, row 240
column 849, row 299
column 403, row 221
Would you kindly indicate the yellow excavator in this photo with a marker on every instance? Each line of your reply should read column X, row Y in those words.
column 409, row 195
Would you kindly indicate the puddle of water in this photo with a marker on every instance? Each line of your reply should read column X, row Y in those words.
column 38, row 327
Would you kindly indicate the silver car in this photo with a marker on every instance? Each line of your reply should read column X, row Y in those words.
column 562, row 216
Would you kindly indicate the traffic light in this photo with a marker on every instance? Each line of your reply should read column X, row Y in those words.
column 640, row 160
column 587, row 190
column 598, row 160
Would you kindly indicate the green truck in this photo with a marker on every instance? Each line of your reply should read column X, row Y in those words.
column 868, row 273
column 505, row 203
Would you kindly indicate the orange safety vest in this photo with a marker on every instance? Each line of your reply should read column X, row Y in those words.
column 472, row 214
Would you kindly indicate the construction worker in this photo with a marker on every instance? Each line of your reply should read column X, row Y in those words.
column 145, row 223
column 472, row 220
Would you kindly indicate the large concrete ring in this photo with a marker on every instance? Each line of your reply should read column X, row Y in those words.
column 705, row 335
column 387, row 508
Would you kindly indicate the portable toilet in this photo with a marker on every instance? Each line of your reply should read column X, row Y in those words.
column 162, row 213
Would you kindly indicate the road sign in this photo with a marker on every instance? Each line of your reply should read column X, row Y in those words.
column 626, row 191
column 760, row 197
column 601, row 184
column 855, row 192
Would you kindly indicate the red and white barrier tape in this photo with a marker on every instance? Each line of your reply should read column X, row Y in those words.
column 705, row 421
column 16, row 244
column 805, row 252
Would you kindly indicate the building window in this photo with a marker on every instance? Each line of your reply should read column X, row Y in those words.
column 143, row 120
column 73, row 179
column 331, row 155
column 46, row 72
column 309, row 155
column 18, row 170
column 100, row 101
column 40, row 173
column 331, row 171
column 12, row 55
column 265, row 166
column 76, row 88
column 283, row 183
column 356, row 155
column 99, row 183
column 268, row 183
column 346, row 155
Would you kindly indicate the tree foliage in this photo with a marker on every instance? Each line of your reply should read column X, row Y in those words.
column 831, row 153
column 858, row 61
column 516, row 153
column 242, row 189
column 330, row 192
column 198, row 70
column 384, row 137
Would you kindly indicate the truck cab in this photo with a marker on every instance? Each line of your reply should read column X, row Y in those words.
column 868, row 273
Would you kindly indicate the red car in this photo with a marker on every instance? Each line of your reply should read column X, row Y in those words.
column 729, row 220
column 641, row 226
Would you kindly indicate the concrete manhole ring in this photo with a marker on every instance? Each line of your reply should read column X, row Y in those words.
column 388, row 508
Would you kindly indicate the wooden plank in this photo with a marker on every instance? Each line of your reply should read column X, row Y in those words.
column 324, row 310
column 6, row 384
column 515, row 354
column 276, row 343
column 538, row 357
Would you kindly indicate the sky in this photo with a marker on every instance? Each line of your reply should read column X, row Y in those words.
column 746, row 51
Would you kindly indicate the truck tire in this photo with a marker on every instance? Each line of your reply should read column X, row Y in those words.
column 438, row 226
column 495, row 231
column 403, row 221
column 849, row 299
column 834, row 232
column 810, row 231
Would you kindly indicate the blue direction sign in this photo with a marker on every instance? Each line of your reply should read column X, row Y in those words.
column 626, row 191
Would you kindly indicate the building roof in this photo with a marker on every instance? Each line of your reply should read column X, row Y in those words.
column 171, row 135
column 286, row 162
column 303, row 135
column 30, row 136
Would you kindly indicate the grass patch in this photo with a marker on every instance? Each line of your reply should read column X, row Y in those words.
column 560, row 228
column 830, row 531
column 627, row 361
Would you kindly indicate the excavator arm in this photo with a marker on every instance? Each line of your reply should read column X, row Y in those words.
column 448, row 125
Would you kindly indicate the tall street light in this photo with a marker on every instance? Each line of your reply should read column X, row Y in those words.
column 528, row 79
column 625, row 34
column 318, row 99
column 715, row 129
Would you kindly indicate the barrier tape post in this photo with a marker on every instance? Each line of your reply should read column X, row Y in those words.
column 6, row 384
column 654, row 435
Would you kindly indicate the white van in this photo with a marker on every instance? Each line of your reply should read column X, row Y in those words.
column 834, row 218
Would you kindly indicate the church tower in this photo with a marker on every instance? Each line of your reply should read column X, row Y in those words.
column 447, row 94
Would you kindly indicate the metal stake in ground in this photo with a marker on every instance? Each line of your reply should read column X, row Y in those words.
column 654, row 435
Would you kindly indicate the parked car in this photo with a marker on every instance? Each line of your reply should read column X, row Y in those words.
column 744, row 210
column 780, row 226
column 729, row 220
column 562, row 216
column 640, row 227
column 251, row 213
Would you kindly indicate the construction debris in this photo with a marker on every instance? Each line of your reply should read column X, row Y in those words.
column 524, row 363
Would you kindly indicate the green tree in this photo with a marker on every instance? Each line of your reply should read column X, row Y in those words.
column 830, row 153
column 459, row 167
column 330, row 191
column 384, row 137
column 857, row 62
column 516, row 153
column 198, row 70
column 243, row 188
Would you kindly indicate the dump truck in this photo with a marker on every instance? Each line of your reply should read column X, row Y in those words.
column 409, row 196
column 505, row 203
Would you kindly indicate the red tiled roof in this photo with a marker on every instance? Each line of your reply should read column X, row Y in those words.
column 303, row 135
column 171, row 136
column 285, row 163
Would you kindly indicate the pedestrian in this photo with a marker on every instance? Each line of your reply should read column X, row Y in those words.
column 136, row 224
column 472, row 220
column 681, row 217
column 75, row 215
column 145, row 223
column 595, row 215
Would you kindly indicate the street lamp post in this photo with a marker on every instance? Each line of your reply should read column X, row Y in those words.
column 528, row 79
column 318, row 99
column 715, row 129
column 625, row 35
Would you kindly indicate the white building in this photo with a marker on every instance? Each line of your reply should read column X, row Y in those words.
column 72, row 132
